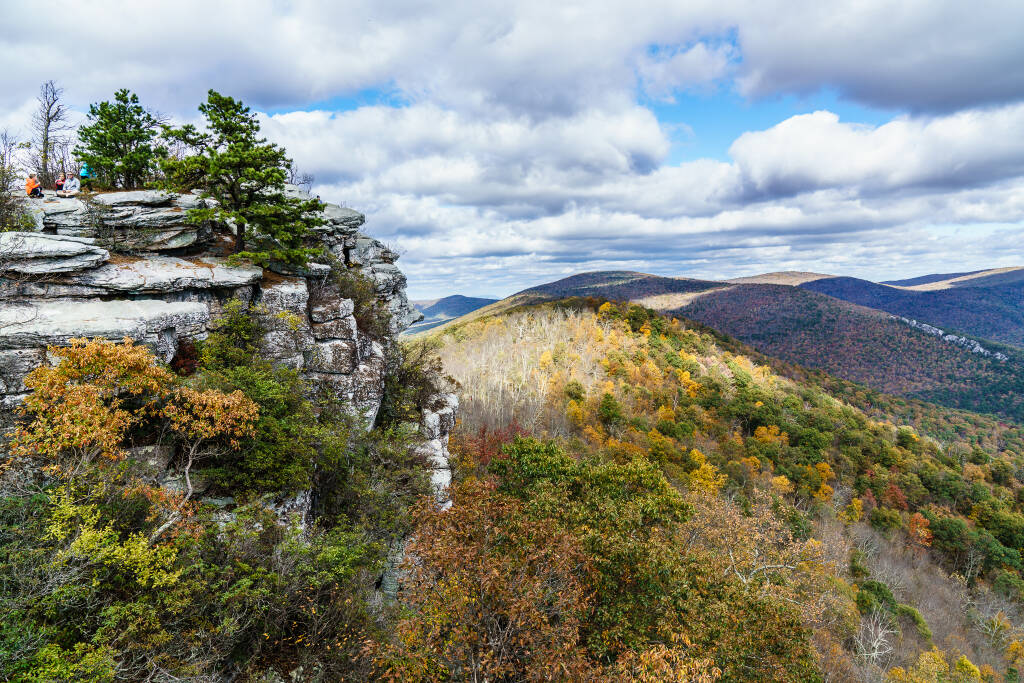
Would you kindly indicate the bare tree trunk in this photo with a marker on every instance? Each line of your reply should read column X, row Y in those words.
column 48, row 122
column 12, row 214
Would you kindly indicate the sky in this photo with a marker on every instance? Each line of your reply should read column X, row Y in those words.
column 501, row 144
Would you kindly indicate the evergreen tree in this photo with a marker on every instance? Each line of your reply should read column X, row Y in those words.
column 246, row 176
column 118, row 143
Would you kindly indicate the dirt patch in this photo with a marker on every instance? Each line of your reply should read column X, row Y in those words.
column 272, row 278
column 123, row 259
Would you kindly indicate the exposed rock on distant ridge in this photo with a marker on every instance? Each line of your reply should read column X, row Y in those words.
column 963, row 342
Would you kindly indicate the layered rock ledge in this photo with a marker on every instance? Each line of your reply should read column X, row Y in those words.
column 129, row 264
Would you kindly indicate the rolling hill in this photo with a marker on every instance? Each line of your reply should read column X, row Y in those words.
column 439, row 311
column 992, row 307
column 615, row 383
column 842, row 326
column 864, row 345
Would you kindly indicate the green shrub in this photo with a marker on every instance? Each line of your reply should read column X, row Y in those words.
column 282, row 454
column 371, row 313
column 413, row 375
column 875, row 595
column 920, row 625
column 1009, row 584
column 885, row 519
column 858, row 569
column 609, row 411
column 575, row 390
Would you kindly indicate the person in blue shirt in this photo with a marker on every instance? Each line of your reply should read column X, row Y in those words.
column 85, row 174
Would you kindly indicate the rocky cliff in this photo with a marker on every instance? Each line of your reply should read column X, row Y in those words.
column 128, row 264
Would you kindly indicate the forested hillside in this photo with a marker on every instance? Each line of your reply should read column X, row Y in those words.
column 842, row 546
column 990, row 308
column 842, row 326
column 863, row 345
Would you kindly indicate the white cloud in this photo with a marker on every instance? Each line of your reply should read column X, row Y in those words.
column 531, row 56
column 925, row 55
column 480, row 205
column 817, row 150
column 667, row 71
column 517, row 149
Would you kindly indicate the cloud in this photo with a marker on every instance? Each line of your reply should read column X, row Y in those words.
column 504, row 143
column 667, row 71
column 531, row 57
column 478, row 205
column 922, row 55
column 814, row 151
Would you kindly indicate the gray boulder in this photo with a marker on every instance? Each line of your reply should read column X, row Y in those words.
column 37, row 324
column 14, row 365
column 161, row 274
column 137, row 197
column 32, row 253
column 144, row 220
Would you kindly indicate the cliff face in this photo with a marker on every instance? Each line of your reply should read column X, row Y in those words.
column 127, row 264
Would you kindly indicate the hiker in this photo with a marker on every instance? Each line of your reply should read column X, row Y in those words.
column 32, row 186
column 72, row 186
column 86, row 174
column 59, row 183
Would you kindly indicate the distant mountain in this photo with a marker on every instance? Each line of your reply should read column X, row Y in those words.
column 439, row 311
column 847, row 327
column 927, row 279
column 992, row 307
column 866, row 346
column 654, row 291
column 978, row 278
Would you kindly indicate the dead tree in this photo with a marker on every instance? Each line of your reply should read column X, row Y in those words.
column 49, row 122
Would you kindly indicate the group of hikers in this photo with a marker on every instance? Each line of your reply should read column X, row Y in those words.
column 66, row 185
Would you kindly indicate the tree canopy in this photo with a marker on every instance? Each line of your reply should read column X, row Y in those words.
column 118, row 142
column 246, row 176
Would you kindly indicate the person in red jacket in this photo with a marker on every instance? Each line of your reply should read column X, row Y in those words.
column 32, row 187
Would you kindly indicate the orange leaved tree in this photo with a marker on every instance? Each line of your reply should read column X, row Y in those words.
column 491, row 594
column 100, row 396
column 83, row 407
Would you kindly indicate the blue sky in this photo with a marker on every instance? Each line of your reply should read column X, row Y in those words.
column 499, row 144
column 709, row 123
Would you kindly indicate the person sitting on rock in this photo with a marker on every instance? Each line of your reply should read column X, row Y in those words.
column 32, row 186
column 72, row 186
column 59, row 183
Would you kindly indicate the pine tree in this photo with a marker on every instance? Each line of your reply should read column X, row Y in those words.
column 118, row 143
column 246, row 176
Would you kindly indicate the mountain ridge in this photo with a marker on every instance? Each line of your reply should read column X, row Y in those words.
column 845, row 326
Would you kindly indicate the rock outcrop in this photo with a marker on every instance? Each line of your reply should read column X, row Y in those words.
column 168, row 280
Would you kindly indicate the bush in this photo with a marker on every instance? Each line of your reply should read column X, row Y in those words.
column 371, row 313
column 609, row 411
column 575, row 391
column 920, row 625
column 885, row 519
column 875, row 595
column 281, row 455
column 413, row 375
column 1009, row 584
